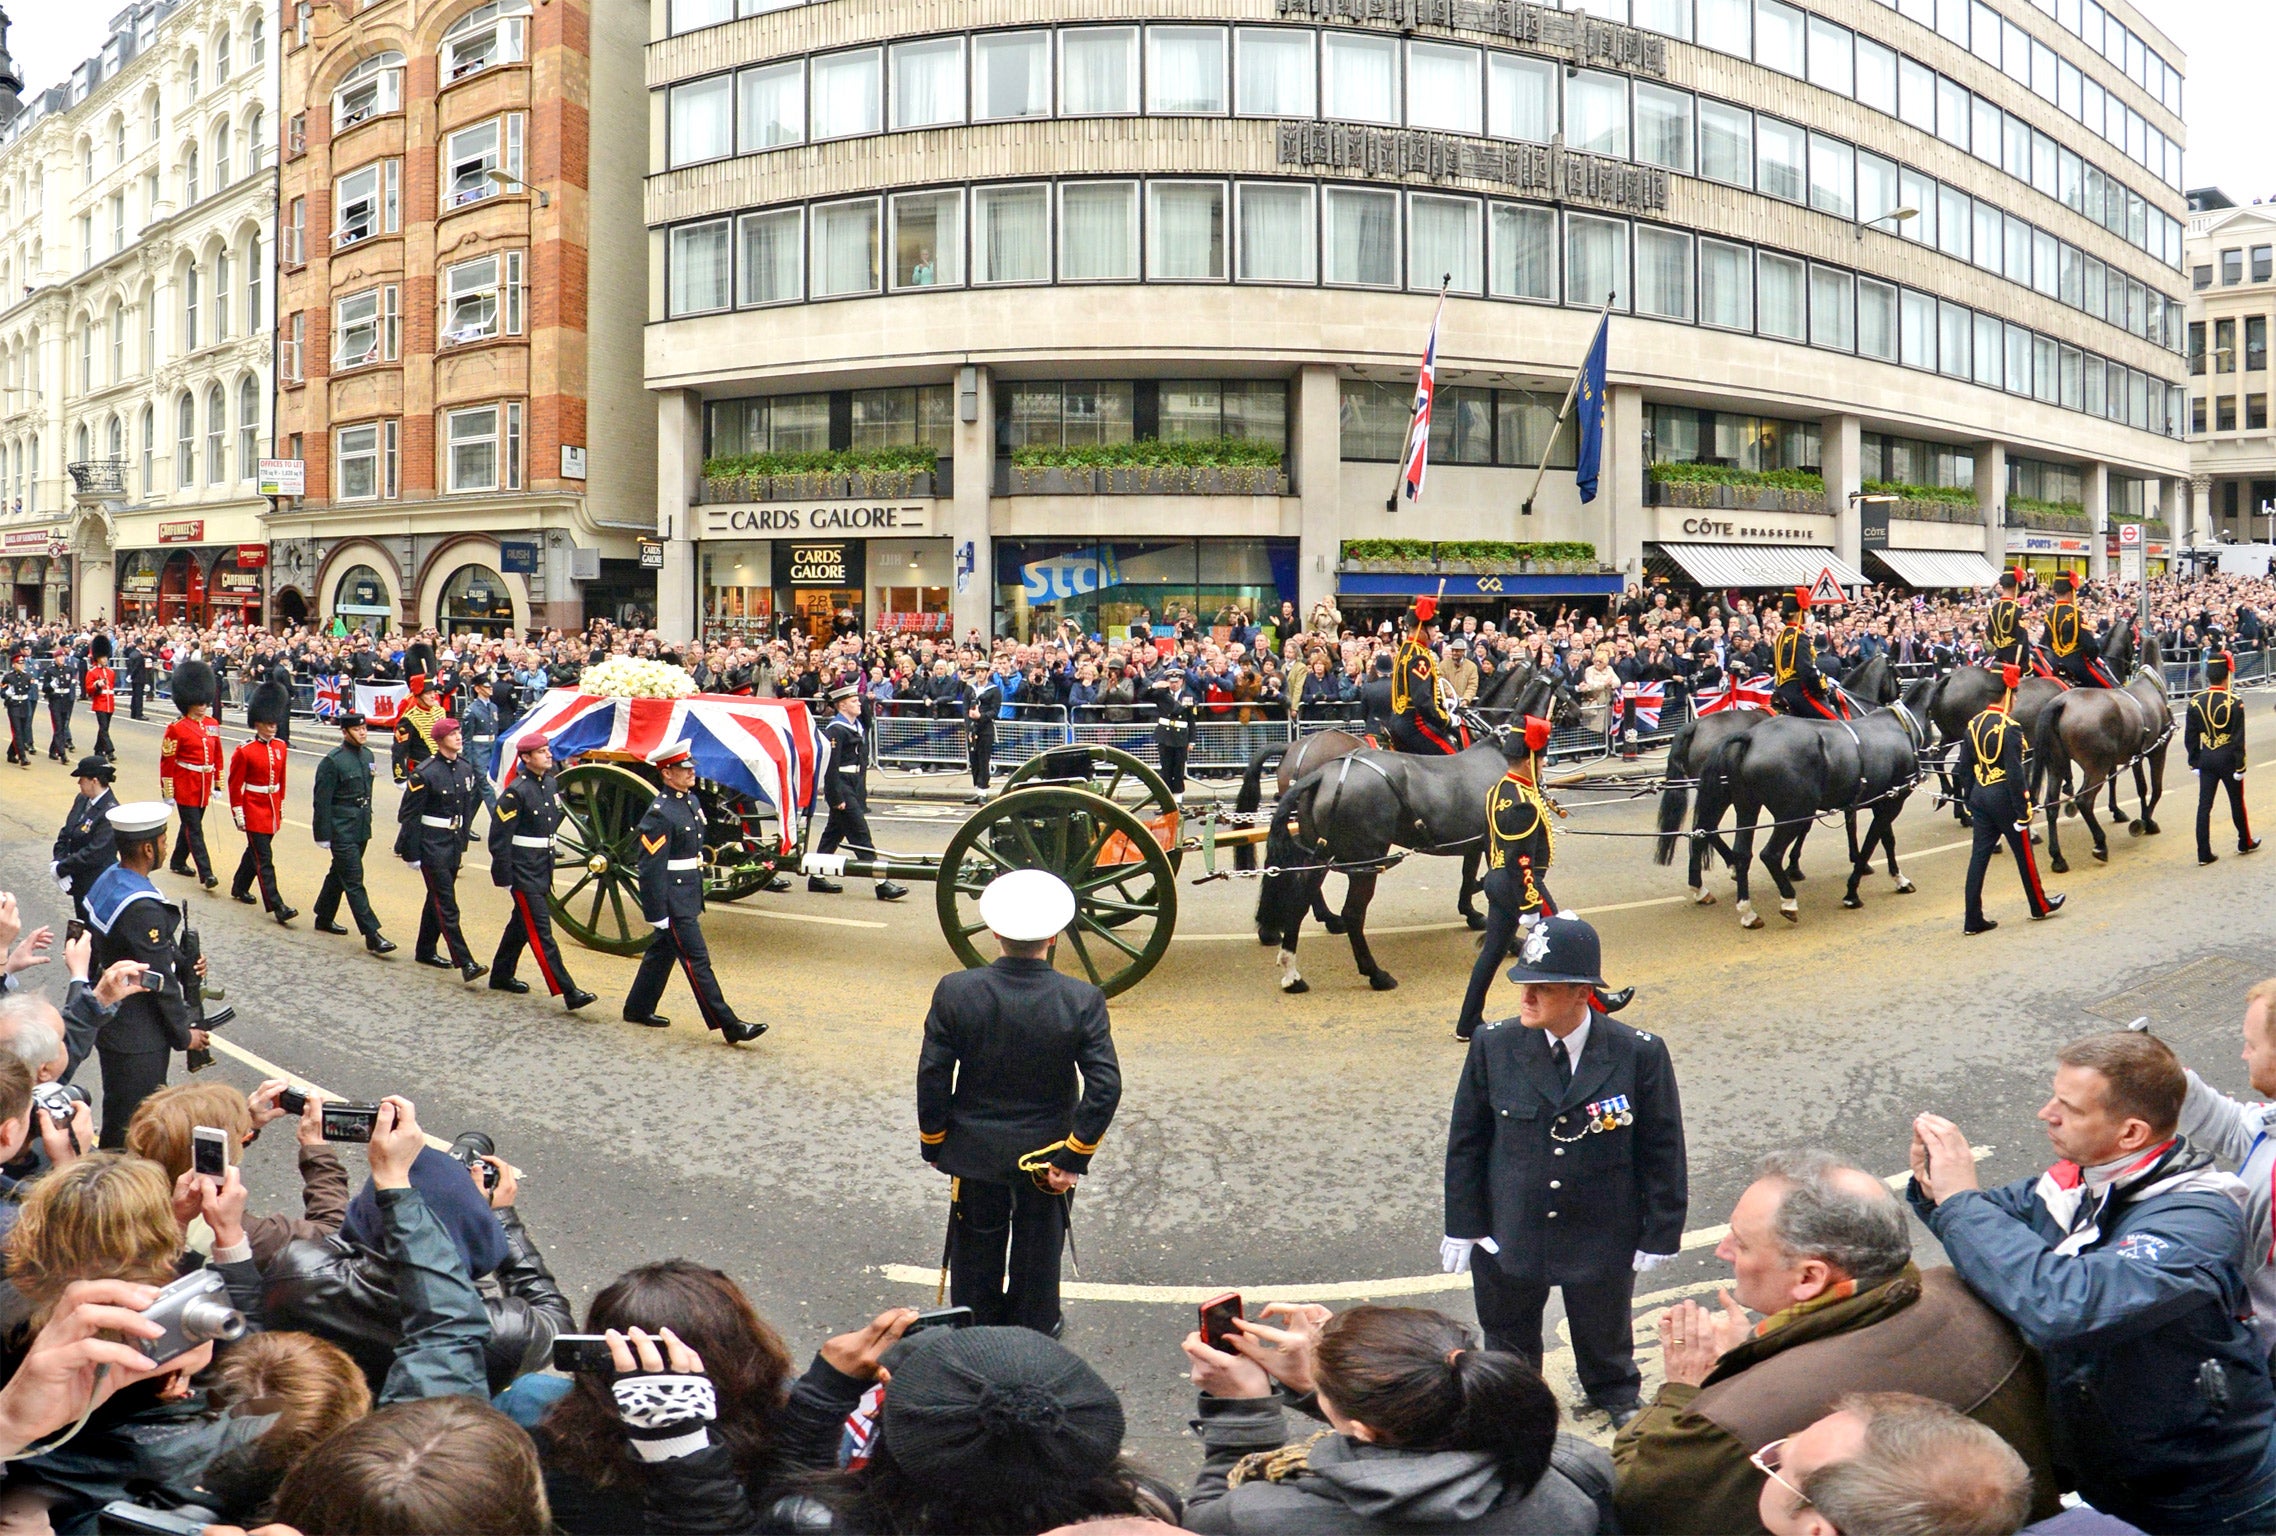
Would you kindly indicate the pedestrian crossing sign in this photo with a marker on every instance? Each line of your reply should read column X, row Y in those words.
column 1825, row 589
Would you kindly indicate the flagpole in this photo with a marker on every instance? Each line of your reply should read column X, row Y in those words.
column 1399, row 475
column 1572, row 389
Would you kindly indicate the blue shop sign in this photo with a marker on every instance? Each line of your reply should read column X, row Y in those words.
column 517, row 557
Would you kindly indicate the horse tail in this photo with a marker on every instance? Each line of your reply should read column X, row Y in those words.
column 2047, row 750
column 1251, row 796
column 1675, row 795
column 1281, row 897
column 1715, row 775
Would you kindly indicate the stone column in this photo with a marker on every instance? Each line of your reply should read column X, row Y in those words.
column 2196, row 525
column 1841, row 458
column 1991, row 500
column 1317, row 465
column 2098, row 518
column 1616, row 520
column 679, row 470
column 966, row 514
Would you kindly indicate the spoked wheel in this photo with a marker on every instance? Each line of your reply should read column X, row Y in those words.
column 738, row 856
column 596, row 858
column 1125, row 884
column 1114, row 773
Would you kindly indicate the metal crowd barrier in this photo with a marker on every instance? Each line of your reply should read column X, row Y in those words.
column 1126, row 727
column 906, row 733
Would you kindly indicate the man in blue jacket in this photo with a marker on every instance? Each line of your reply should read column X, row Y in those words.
column 2121, row 1265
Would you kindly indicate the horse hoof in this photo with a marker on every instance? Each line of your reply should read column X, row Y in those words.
column 1906, row 887
column 2149, row 827
column 1295, row 984
column 1332, row 925
column 2059, row 866
column 1750, row 920
column 1267, row 938
column 1851, row 902
column 1476, row 920
column 1790, row 910
column 2135, row 830
column 2071, row 809
column 1701, row 897
column 2102, row 855
column 2123, row 822
column 1796, row 875
column 1383, row 981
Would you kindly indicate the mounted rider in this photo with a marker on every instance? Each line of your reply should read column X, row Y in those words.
column 1419, row 719
column 2075, row 660
column 1802, row 689
column 2003, row 626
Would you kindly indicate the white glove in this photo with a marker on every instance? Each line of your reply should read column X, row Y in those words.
column 1647, row 1262
column 239, row 818
column 1454, row 1252
column 323, row 847
column 663, row 922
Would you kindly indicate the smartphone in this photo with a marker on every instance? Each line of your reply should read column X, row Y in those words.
column 73, row 931
column 1217, row 1314
column 121, row 1515
column 151, row 980
column 292, row 1101
column 582, row 1354
column 350, row 1122
column 939, row 1317
column 209, row 1151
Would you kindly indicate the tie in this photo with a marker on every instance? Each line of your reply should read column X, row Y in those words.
column 1564, row 1063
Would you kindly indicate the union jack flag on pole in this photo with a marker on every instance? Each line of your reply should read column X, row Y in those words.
column 1648, row 699
column 1737, row 693
column 1415, row 461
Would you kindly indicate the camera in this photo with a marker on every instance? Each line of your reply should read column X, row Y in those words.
column 193, row 1310
column 58, row 1099
column 350, row 1122
column 471, row 1148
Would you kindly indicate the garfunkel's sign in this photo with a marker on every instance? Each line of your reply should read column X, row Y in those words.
column 1546, row 170
column 1567, row 34
column 789, row 519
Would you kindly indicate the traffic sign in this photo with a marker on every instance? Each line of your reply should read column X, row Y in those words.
column 1825, row 589
column 2129, row 534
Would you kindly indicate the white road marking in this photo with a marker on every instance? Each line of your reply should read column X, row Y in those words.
column 269, row 1069
column 793, row 917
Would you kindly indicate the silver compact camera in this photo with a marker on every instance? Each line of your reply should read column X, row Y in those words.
column 193, row 1310
column 58, row 1099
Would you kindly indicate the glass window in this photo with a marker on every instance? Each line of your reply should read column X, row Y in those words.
column 1277, row 235
column 1877, row 76
column 1991, row 352
column 1663, row 127
column 700, row 263
column 773, row 106
column 1878, row 193
column 703, row 120
column 2018, row 360
column 1778, row 36
column 1727, row 25
column 2018, row 264
column 1954, row 223
column 1521, row 98
column 1442, row 87
column 1916, row 94
column 688, row 15
column 1916, row 330
column 1988, row 242
column 1524, row 257
column 471, row 154
column 1832, row 57
column 1780, row 150
column 1596, row 113
column 1833, row 176
column 2043, row 274
column 1952, row 21
column 1277, row 77
column 1953, row 348
column 1185, row 230
column 1833, row 317
column 1443, row 235
column 1782, row 306
column 2015, row 148
column 1362, row 77
column 1726, row 144
column 473, row 295
column 1663, row 273
column 1726, row 285
column 1011, row 75
column 928, row 240
column 489, row 34
column 1185, row 70
column 1363, row 237
column 844, row 255
column 1669, row 17
column 473, row 442
column 372, row 89
column 1011, row 234
column 1988, row 132
column 1953, row 108
column 358, row 460
column 2046, row 378
column 772, row 269
column 1098, row 71
column 1876, row 320
column 1596, row 261
column 1098, row 231
column 928, row 83
column 845, row 94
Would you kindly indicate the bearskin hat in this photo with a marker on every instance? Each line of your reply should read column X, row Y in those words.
column 194, row 683
column 99, row 648
column 271, row 703
column 418, row 659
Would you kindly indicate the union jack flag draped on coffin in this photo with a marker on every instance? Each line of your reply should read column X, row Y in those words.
column 1753, row 693
column 1648, row 699
column 767, row 748
column 328, row 697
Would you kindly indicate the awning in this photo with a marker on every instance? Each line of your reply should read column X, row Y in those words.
column 1760, row 565
column 1938, row 567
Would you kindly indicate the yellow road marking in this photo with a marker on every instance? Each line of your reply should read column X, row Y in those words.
column 269, row 1068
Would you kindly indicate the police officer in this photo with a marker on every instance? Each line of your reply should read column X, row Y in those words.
column 61, row 687
column 2213, row 736
column 86, row 846
column 522, row 824
column 1016, row 1086
column 845, row 789
column 130, row 920
column 1797, row 686
column 671, row 899
column 1517, row 853
column 1419, row 721
column 101, row 684
column 137, row 663
column 2075, row 660
column 2003, row 626
column 983, row 702
column 1564, row 1166
column 18, row 692
column 436, row 824
column 340, row 816
column 1991, row 770
column 1170, row 691
column 257, row 797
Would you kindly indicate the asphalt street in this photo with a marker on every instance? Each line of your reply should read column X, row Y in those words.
column 1264, row 1141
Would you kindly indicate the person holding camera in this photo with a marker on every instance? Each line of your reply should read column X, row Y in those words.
column 132, row 921
column 164, row 1130
column 522, row 824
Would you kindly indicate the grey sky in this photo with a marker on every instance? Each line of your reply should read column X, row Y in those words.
column 2229, row 44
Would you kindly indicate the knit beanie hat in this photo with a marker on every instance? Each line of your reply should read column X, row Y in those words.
column 999, row 1407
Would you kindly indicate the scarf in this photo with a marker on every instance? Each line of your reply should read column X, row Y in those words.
column 2079, row 1199
column 457, row 1204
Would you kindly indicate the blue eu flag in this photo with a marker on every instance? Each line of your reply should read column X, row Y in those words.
column 1591, row 402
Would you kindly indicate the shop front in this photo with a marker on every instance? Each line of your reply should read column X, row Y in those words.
column 2157, row 554
column 26, row 580
column 137, row 586
column 361, row 599
column 1369, row 598
column 475, row 601
column 2044, row 554
column 1104, row 587
column 1730, row 550
column 764, row 570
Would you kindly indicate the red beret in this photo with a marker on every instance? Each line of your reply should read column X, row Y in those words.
column 446, row 726
column 532, row 742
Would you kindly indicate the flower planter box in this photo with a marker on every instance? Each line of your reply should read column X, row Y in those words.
column 1912, row 511
column 2050, row 522
column 1710, row 496
column 845, row 486
column 1149, row 480
column 1389, row 567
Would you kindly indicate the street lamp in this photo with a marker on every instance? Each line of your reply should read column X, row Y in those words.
column 1893, row 217
column 544, row 199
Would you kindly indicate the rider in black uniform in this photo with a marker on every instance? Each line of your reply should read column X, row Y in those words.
column 1418, row 722
column 2075, row 660
column 1800, row 688
column 2003, row 627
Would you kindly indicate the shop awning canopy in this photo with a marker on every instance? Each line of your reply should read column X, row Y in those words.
column 1938, row 567
column 1760, row 565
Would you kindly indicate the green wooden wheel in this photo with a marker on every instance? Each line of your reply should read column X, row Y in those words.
column 1114, row 771
column 738, row 854
column 1125, row 885
column 596, row 858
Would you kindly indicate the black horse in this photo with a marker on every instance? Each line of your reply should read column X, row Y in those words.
column 2101, row 731
column 1874, row 683
column 1967, row 690
column 1355, row 810
column 1797, row 768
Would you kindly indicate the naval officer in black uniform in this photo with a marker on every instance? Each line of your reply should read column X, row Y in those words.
column 522, row 825
column 671, row 899
column 1000, row 1109
column 845, row 789
column 1565, row 1166
column 87, row 846
column 2214, row 738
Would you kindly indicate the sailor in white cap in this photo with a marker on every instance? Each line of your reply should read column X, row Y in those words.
column 131, row 920
column 1015, row 1089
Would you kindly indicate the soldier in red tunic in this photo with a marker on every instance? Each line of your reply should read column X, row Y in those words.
column 102, row 694
column 189, row 761
column 256, row 798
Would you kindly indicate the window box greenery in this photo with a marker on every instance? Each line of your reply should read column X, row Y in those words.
column 1927, row 503
column 1214, row 466
column 2048, row 516
column 2157, row 528
column 1469, row 557
column 1722, row 488
column 825, row 476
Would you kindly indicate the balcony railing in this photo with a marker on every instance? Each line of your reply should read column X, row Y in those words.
column 99, row 477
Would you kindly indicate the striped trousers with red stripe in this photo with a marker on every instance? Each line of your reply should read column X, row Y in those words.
column 679, row 945
column 531, row 926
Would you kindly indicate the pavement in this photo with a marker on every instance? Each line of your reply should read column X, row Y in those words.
column 1285, row 1146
